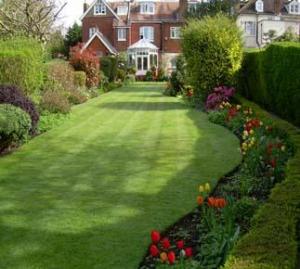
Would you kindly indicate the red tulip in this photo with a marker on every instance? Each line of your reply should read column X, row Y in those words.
column 189, row 252
column 180, row 244
column 171, row 257
column 154, row 251
column 155, row 236
column 165, row 243
column 211, row 201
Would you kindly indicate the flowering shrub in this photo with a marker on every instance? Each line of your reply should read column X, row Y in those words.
column 87, row 61
column 218, row 96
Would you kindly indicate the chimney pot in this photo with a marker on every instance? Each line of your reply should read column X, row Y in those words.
column 85, row 6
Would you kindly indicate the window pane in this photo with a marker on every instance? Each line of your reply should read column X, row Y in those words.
column 145, row 63
column 139, row 63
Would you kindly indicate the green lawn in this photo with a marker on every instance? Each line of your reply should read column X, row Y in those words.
column 87, row 194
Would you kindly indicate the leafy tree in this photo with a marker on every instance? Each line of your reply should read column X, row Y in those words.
column 73, row 36
column 212, row 8
column 56, row 44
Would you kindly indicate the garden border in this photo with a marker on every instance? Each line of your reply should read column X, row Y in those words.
column 271, row 242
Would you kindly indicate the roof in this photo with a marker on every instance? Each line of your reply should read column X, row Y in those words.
column 143, row 44
column 269, row 7
column 165, row 10
column 103, row 39
column 93, row 4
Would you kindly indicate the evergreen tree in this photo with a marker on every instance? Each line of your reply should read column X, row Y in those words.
column 73, row 36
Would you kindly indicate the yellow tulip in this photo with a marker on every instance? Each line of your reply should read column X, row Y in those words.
column 251, row 131
column 201, row 189
column 207, row 187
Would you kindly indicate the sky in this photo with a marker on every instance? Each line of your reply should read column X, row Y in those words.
column 72, row 11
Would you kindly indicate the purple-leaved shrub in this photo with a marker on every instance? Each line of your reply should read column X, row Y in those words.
column 218, row 96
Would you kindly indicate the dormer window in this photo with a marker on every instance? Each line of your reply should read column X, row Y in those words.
column 259, row 6
column 100, row 9
column 294, row 7
column 122, row 10
column 147, row 8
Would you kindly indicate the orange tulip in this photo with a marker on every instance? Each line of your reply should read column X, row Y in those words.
column 163, row 257
column 200, row 200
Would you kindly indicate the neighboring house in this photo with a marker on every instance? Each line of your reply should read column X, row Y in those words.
column 148, row 30
column 261, row 18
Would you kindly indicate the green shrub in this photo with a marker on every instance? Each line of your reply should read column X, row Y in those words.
column 217, row 117
column 148, row 76
column 109, row 66
column 21, row 63
column 212, row 48
column 130, row 78
column 271, row 78
column 50, row 120
column 15, row 125
column 55, row 102
column 80, row 79
column 244, row 210
column 111, row 86
column 121, row 74
column 77, row 96
column 62, row 73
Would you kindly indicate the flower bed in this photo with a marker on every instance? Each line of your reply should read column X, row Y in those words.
column 224, row 215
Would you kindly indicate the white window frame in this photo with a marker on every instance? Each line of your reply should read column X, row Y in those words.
column 147, row 8
column 259, row 6
column 294, row 8
column 92, row 31
column 99, row 9
column 122, row 33
column 122, row 10
column 247, row 30
column 150, row 30
column 175, row 32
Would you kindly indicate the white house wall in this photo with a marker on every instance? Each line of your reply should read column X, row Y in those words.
column 265, row 23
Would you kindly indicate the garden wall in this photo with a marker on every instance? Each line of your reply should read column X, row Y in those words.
column 271, row 78
column 272, row 240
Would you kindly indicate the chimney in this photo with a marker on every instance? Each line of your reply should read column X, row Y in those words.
column 183, row 6
column 85, row 6
column 278, row 4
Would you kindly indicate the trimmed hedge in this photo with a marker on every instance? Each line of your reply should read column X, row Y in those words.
column 21, row 64
column 272, row 240
column 271, row 78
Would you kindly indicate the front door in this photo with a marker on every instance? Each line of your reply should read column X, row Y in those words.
column 142, row 63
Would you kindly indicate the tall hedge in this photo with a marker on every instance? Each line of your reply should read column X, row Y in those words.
column 21, row 64
column 271, row 78
column 213, row 51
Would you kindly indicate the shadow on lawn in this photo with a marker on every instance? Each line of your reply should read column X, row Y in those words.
column 85, row 214
column 145, row 106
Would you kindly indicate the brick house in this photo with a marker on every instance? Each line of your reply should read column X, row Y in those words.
column 148, row 30
column 258, row 17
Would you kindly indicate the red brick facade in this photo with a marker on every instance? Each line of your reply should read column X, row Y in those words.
column 166, row 16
